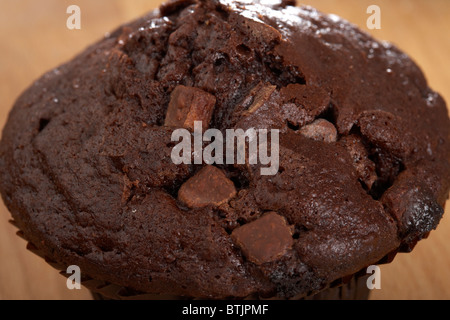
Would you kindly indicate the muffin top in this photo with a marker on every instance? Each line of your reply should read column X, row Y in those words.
column 364, row 153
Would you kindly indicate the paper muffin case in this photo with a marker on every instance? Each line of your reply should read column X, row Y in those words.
column 353, row 287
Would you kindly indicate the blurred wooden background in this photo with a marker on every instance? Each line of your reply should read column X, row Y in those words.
column 34, row 39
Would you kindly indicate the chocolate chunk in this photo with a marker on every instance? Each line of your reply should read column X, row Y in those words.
column 320, row 130
column 188, row 104
column 209, row 186
column 259, row 108
column 264, row 240
column 260, row 94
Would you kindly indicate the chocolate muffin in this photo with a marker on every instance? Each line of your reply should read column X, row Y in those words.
column 364, row 155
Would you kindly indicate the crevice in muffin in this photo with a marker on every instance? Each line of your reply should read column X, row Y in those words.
column 298, row 231
column 43, row 123
column 79, row 251
column 46, row 170
column 105, row 245
column 172, row 189
column 283, row 74
column 132, row 192
column 240, row 178
column 329, row 114
column 292, row 126
column 387, row 166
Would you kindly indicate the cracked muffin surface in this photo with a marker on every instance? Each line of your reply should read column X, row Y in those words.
column 86, row 167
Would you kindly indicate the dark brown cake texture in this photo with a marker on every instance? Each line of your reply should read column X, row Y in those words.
column 364, row 154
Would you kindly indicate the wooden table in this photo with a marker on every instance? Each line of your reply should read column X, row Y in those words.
column 34, row 39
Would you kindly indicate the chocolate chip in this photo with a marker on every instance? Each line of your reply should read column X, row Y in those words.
column 261, row 93
column 264, row 240
column 320, row 130
column 209, row 186
column 257, row 97
column 188, row 104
